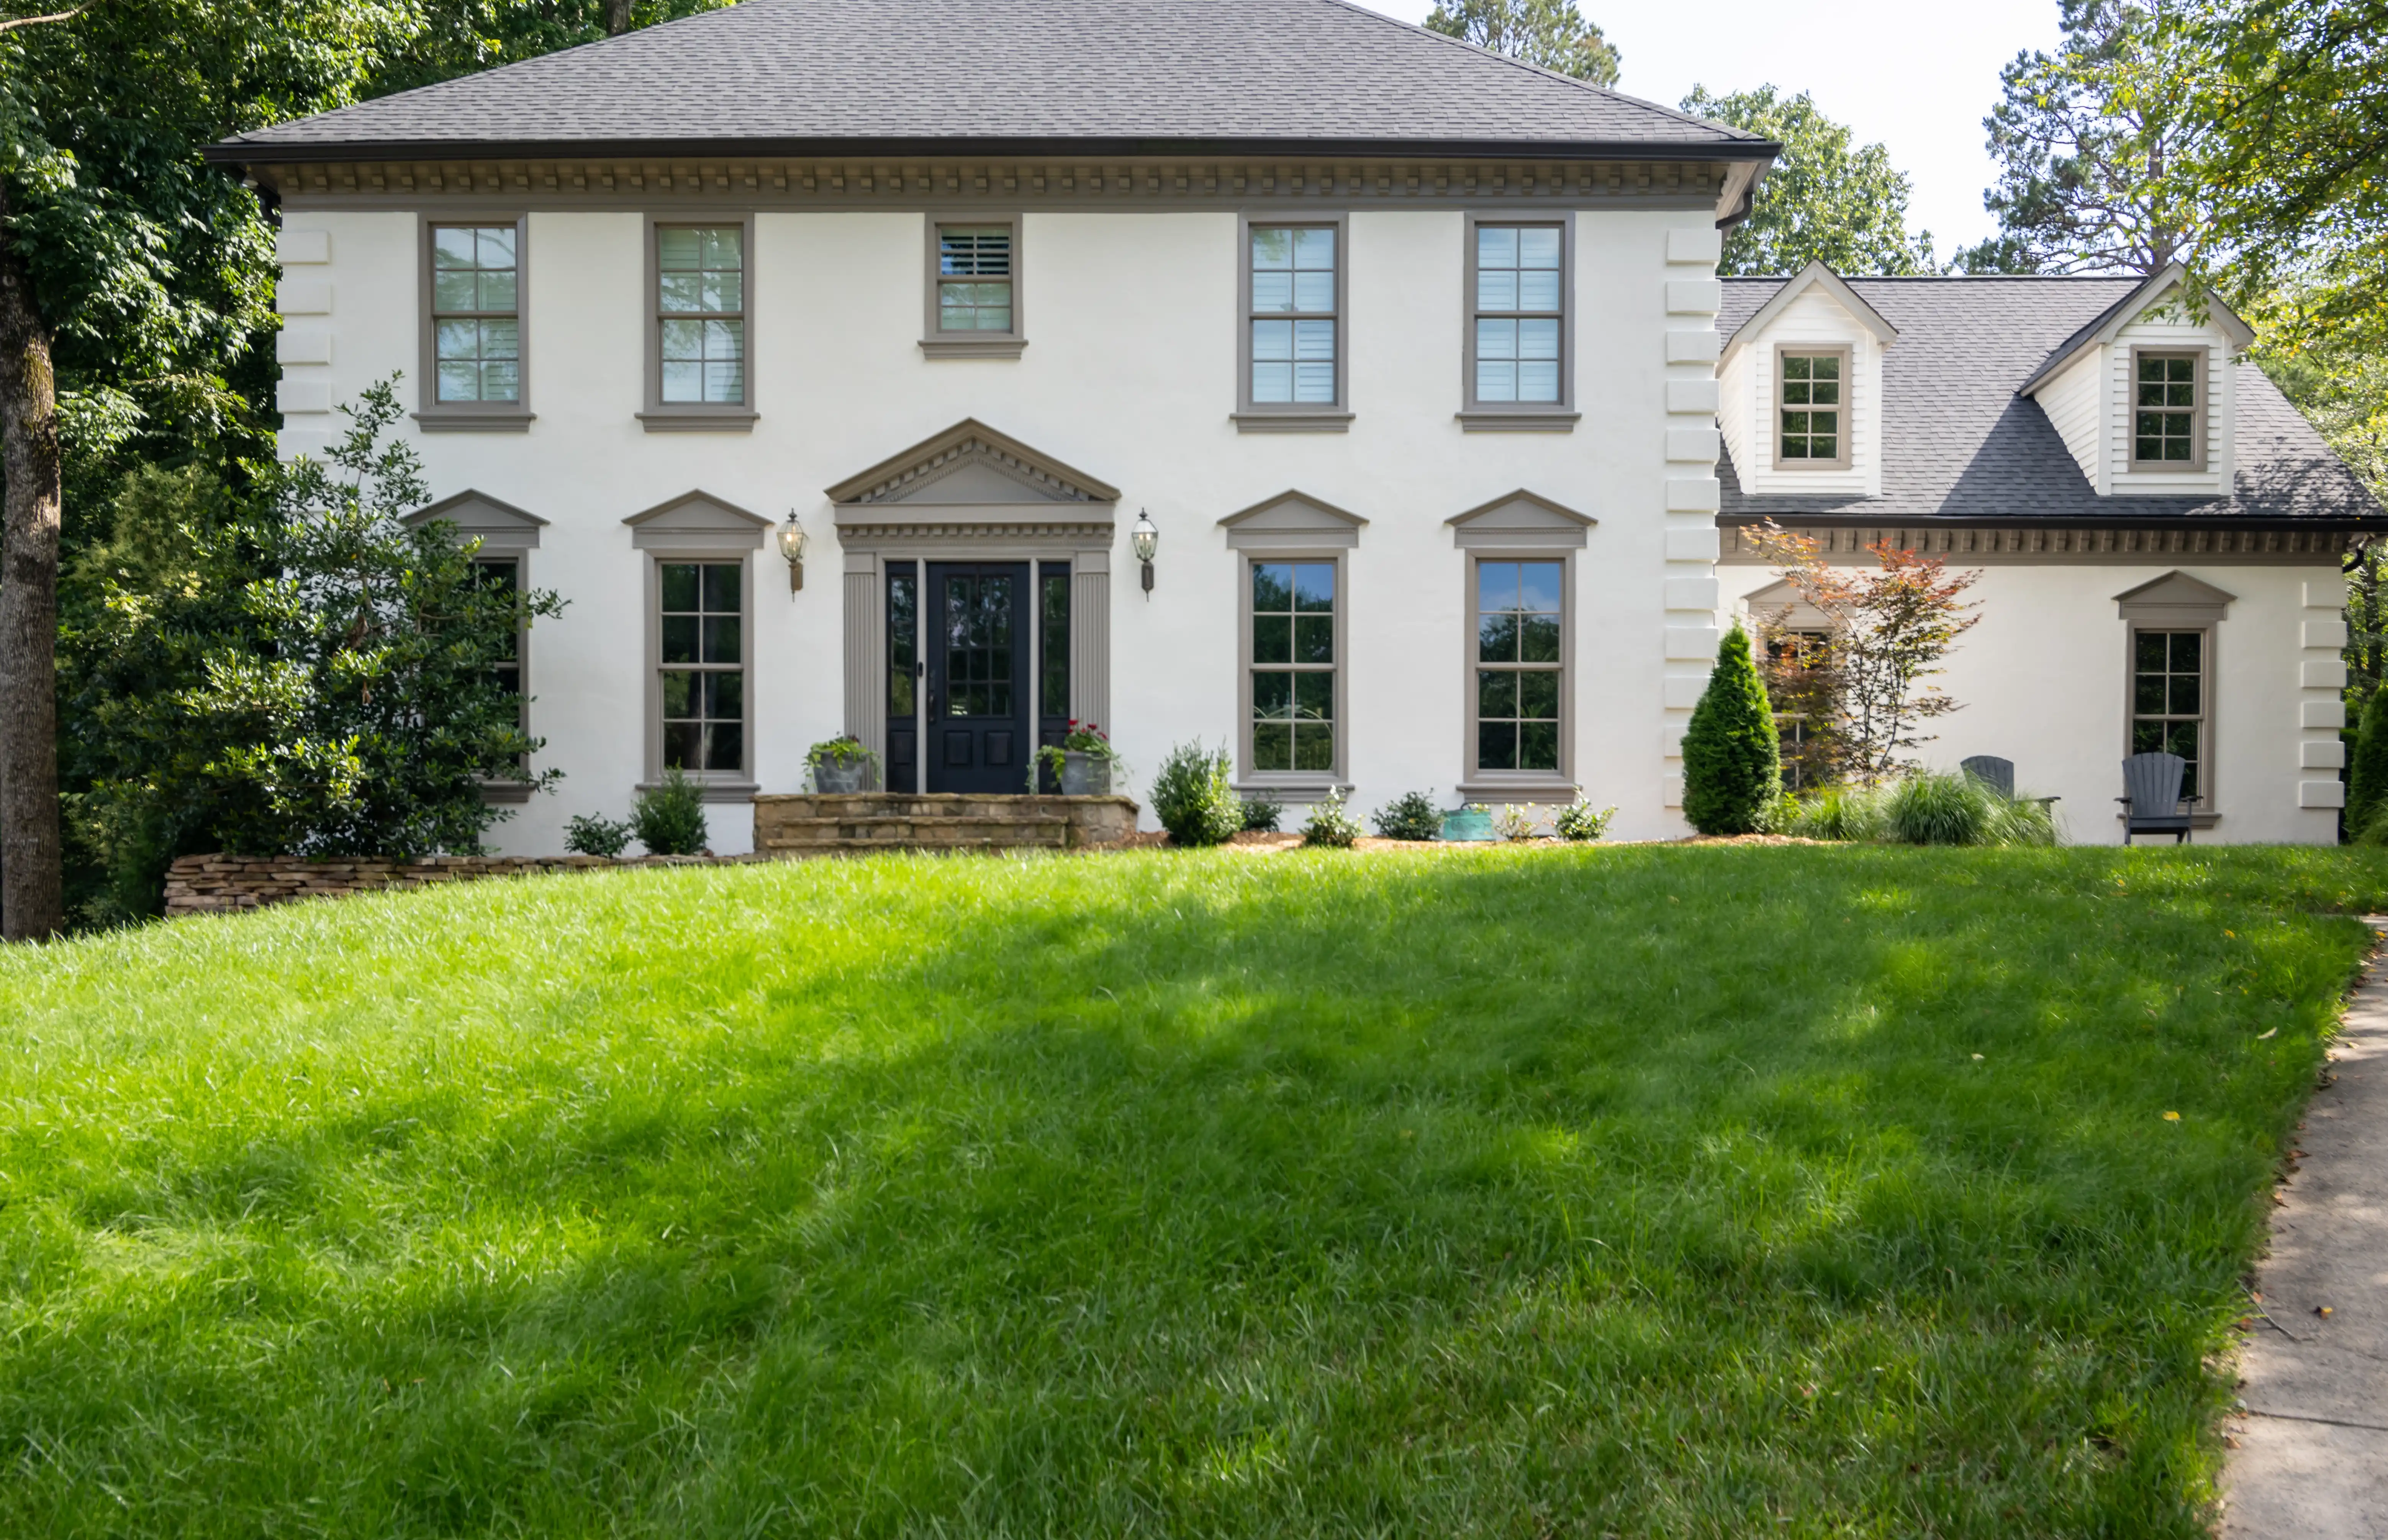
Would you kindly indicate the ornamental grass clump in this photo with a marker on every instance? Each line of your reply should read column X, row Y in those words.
column 1732, row 760
column 1194, row 798
column 1924, row 808
column 1411, row 815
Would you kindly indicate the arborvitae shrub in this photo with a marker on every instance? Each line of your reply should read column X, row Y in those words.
column 2366, row 771
column 669, row 819
column 1732, row 762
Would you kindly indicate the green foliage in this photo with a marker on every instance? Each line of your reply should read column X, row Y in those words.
column 1261, row 813
column 1579, row 821
column 1192, row 1194
column 1824, row 201
column 596, row 834
column 295, row 670
column 1329, row 825
column 1411, row 815
column 1551, row 33
column 1733, row 764
column 1194, row 796
column 1923, row 808
column 2366, row 770
column 668, row 818
column 845, row 748
column 2082, row 136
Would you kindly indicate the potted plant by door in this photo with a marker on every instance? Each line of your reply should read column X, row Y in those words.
column 840, row 765
column 1087, row 760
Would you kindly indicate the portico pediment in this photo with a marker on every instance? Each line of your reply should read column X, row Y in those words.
column 971, row 465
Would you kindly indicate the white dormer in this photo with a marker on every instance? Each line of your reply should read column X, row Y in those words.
column 1799, row 391
column 2143, row 395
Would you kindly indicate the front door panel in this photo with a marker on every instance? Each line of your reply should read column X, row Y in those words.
column 979, row 732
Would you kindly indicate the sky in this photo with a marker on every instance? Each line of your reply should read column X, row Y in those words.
column 1913, row 75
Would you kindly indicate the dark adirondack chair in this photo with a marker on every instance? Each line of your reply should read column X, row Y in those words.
column 1991, row 771
column 2152, row 800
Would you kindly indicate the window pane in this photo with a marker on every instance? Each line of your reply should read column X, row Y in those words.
column 1272, row 248
column 679, row 693
column 451, row 246
column 683, row 746
column 1272, row 746
column 723, row 246
column 1538, row 639
column 1538, row 381
column 1313, row 696
column 1272, row 639
column 1496, row 745
column 1826, row 366
column 2147, row 737
column 1496, row 289
column 1272, row 696
column 2150, row 651
column 721, row 586
column 1496, row 586
column 680, row 638
column 493, row 246
column 1824, row 393
column 1538, row 585
column 1497, row 692
column 1538, row 693
column 1313, row 640
column 1538, row 745
column 2148, row 693
column 1313, row 293
column 1313, row 248
column 500, row 339
column 1272, row 340
column 678, row 585
column 676, row 247
column 497, row 291
column 1496, row 339
column 453, row 291
column 2187, row 650
column 725, row 746
column 1272, row 586
column 1054, row 642
column 2183, row 701
column 1537, row 246
column 1272, row 293
column 1822, row 448
column 1314, row 340
column 725, row 693
column 722, row 292
column 1496, row 380
column 1313, row 744
column 1496, row 639
column 1314, row 586
column 1794, row 367
column 1538, row 291
column 1496, row 246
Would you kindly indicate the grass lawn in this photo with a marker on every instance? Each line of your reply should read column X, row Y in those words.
column 1653, row 1191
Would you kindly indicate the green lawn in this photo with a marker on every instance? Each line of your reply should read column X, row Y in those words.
column 1649, row 1191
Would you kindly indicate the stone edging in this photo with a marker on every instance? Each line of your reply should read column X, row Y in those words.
column 219, row 884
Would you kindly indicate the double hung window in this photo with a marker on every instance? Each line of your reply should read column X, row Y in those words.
column 700, row 664
column 700, row 314
column 476, row 314
column 1520, row 673
column 2168, row 700
column 1811, row 416
column 1519, row 314
column 1293, row 666
column 974, row 278
column 1295, row 339
column 2168, row 415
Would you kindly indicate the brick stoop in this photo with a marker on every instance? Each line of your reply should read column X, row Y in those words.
column 834, row 824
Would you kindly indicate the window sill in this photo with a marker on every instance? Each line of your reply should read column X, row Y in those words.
column 972, row 347
column 1292, row 421
column 475, row 422
column 713, row 791
column 1293, row 793
column 1809, row 467
column 736, row 420
column 1499, row 420
column 1516, row 791
column 504, row 792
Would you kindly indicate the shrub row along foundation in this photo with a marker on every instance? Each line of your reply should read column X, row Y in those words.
column 215, row 884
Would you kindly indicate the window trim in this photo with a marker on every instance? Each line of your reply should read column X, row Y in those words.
column 2206, row 811
column 1847, row 356
column 1559, row 416
column 719, row 785
column 432, row 414
column 1309, row 784
column 695, row 416
column 938, row 343
column 1252, row 416
column 1478, row 784
column 2201, row 412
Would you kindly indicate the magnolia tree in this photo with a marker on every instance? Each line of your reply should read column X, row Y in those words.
column 1885, row 633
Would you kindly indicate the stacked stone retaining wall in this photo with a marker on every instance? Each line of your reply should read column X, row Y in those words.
column 214, row 884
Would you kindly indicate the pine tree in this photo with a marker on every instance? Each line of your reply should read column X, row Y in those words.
column 1733, row 763
column 2367, row 773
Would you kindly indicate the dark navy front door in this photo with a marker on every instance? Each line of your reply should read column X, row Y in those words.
column 980, row 737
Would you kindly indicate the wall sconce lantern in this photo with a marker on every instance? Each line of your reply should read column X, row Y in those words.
column 1144, row 540
column 792, row 545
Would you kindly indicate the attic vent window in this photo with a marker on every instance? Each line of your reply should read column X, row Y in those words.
column 2167, row 411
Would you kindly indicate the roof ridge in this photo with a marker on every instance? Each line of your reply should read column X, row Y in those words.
column 1609, row 92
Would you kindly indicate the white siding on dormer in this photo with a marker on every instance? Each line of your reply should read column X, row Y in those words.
column 2075, row 402
column 1816, row 319
column 1733, row 417
column 2176, row 332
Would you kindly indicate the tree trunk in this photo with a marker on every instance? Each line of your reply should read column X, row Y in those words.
column 617, row 17
column 30, row 902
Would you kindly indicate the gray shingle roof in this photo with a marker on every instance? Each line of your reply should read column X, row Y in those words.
column 787, row 74
column 1958, row 443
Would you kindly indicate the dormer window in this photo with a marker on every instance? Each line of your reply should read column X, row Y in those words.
column 1812, row 429
column 2167, row 412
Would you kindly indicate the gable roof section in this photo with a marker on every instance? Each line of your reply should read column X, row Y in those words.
column 1009, row 76
column 1961, row 444
column 2107, row 323
column 1814, row 275
column 971, row 462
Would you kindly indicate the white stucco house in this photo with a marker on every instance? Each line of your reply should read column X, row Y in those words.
column 1416, row 356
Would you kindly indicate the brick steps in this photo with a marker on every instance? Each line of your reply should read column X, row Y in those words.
column 812, row 836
